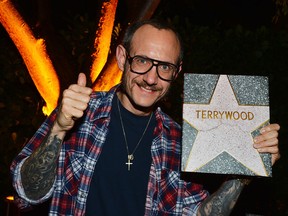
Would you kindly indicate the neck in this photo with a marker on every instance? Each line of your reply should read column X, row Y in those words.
column 132, row 107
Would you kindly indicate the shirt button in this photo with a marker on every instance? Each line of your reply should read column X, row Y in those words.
column 82, row 195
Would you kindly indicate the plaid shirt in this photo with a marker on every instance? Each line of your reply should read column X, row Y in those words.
column 167, row 194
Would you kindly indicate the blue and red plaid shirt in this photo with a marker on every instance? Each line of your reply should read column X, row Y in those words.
column 167, row 194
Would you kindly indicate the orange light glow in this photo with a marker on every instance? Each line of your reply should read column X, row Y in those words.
column 110, row 77
column 10, row 198
column 38, row 63
column 34, row 54
column 102, row 43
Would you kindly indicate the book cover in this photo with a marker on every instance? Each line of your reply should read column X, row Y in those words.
column 221, row 116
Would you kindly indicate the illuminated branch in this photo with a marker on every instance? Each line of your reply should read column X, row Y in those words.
column 33, row 51
column 34, row 54
column 102, row 46
column 135, row 10
column 111, row 77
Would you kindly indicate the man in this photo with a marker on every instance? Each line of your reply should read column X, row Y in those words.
column 116, row 153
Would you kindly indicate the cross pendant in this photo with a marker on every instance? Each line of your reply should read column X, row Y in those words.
column 129, row 163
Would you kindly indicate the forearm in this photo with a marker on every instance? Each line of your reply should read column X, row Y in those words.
column 39, row 170
column 223, row 200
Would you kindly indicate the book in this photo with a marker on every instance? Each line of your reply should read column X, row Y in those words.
column 221, row 116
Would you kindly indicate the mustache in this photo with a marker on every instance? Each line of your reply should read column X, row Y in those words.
column 147, row 86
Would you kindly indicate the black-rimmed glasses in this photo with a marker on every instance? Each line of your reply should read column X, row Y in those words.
column 141, row 65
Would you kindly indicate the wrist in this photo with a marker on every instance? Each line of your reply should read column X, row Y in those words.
column 57, row 130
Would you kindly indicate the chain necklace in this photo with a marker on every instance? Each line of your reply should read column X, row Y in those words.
column 131, row 155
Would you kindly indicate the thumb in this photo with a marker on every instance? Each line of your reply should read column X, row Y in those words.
column 81, row 79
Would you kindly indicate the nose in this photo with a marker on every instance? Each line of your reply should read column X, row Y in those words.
column 151, row 77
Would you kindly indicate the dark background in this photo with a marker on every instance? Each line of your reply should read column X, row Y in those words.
column 227, row 37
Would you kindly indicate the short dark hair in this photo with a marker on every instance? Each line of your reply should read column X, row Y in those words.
column 156, row 23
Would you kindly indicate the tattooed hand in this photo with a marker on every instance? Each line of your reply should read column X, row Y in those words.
column 75, row 101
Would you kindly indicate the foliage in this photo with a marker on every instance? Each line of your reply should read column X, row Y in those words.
column 282, row 10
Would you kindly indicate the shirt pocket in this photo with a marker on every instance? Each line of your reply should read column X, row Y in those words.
column 72, row 173
column 168, row 192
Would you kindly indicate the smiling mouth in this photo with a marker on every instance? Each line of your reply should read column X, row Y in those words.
column 146, row 90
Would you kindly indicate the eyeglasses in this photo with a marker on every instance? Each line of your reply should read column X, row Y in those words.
column 141, row 65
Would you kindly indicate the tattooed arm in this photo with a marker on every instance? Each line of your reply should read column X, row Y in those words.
column 38, row 172
column 224, row 199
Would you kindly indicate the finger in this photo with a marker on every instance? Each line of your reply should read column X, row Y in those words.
column 271, row 127
column 77, row 113
column 269, row 142
column 266, row 136
column 75, row 88
column 269, row 149
column 75, row 94
column 69, row 106
column 81, row 79
column 72, row 112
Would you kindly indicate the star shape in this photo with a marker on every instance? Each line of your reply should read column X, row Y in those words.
column 216, row 135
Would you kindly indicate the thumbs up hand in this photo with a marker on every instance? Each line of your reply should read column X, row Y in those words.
column 74, row 102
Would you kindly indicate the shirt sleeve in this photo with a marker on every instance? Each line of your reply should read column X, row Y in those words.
column 193, row 200
column 17, row 163
column 17, row 183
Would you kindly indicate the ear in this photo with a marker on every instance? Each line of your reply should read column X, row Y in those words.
column 121, row 57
